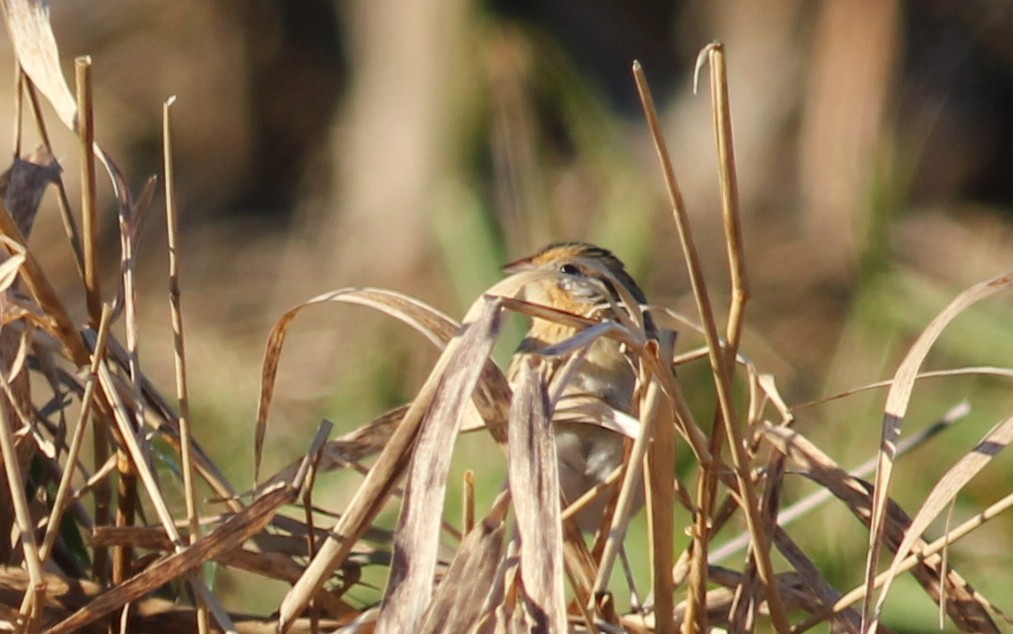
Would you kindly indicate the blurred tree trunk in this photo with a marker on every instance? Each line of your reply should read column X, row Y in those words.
column 855, row 50
column 392, row 144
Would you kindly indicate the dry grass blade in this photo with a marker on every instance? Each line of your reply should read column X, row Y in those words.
column 69, row 224
column 372, row 493
column 534, row 486
column 721, row 602
column 167, row 425
column 150, row 615
column 456, row 606
column 19, row 449
column 416, row 539
column 135, row 452
column 807, row 504
column 22, row 515
column 973, row 613
column 961, row 604
column 348, row 449
column 490, row 397
column 33, row 40
column 581, row 569
column 946, row 490
column 973, row 617
column 136, row 455
column 54, row 316
column 11, row 267
column 432, row 324
column 500, row 602
column 127, row 498
column 979, row 370
column 87, row 405
column 231, row 534
column 661, row 505
column 896, row 407
column 655, row 441
column 39, row 58
column 273, row 560
column 179, row 347
column 845, row 620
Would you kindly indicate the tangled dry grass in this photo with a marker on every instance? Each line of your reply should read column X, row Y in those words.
column 99, row 538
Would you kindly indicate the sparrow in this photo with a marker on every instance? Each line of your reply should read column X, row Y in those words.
column 599, row 387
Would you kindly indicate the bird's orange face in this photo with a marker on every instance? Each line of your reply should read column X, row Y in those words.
column 585, row 278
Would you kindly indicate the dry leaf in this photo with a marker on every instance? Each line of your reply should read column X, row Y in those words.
column 416, row 540
column 26, row 182
column 534, row 485
column 35, row 45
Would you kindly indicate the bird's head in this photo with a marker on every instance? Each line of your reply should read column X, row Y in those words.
column 584, row 278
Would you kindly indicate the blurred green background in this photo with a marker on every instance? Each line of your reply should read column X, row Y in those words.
column 418, row 144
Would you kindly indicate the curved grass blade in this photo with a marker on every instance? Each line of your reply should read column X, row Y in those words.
column 428, row 321
column 946, row 490
column 896, row 407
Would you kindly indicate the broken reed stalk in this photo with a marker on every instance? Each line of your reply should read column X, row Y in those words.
column 126, row 502
column 89, row 232
column 19, row 108
column 720, row 367
column 661, row 469
column 179, row 344
column 468, row 503
column 103, row 497
column 727, row 177
column 311, row 542
column 89, row 214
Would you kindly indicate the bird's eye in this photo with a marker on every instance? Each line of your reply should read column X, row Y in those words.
column 569, row 269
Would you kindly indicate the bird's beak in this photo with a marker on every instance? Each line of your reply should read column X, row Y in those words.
column 523, row 264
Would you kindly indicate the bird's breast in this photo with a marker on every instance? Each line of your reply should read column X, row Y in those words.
column 606, row 372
